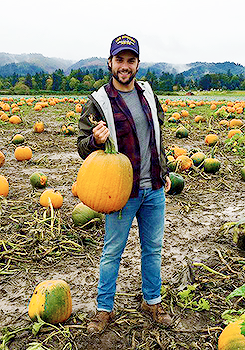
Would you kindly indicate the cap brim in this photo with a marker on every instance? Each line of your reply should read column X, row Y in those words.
column 115, row 52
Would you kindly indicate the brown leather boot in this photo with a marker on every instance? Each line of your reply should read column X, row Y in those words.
column 157, row 313
column 100, row 321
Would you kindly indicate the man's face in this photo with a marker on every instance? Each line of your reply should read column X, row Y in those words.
column 124, row 66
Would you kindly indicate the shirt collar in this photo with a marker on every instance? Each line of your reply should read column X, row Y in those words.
column 112, row 92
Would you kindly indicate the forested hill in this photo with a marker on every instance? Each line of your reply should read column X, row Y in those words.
column 24, row 64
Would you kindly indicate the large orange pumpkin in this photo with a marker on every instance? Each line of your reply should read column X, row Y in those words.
column 104, row 181
column 4, row 186
column 231, row 337
column 23, row 153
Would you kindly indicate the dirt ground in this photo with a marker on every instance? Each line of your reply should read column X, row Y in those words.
column 33, row 251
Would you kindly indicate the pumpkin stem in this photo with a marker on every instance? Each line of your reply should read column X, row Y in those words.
column 120, row 214
column 213, row 151
column 109, row 146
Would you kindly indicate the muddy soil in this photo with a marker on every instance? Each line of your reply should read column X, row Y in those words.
column 33, row 251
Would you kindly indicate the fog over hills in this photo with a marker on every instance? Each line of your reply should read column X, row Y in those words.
column 32, row 63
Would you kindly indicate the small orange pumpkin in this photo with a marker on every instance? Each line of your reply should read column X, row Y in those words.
column 176, row 115
column 15, row 119
column 2, row 159
column 4, row 186
column 4, row 117
column 224, row 122
column 74, row 189
column 23, row 153
column 78, row 108
column 15, row 109
column 38, row 107
column 184, row 162
column 235, row 122
column 211, row 139
column 233, row 132
column 55, row 197
column 179, row 151
column 38, row 127
column 6, row 107
column 184, row 113
column 199, row 118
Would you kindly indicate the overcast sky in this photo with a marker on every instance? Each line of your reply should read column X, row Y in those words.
column 171, row 31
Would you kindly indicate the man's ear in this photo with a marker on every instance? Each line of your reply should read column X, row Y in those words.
column 109, row 62
column 138, row 66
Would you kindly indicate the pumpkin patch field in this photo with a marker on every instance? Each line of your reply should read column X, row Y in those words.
column 49, row 244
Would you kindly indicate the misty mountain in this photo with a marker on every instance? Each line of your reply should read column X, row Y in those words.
column 21, row 69
column 193, row 70
column 198, row 69
column 45, row 64
column 89, row 63
column 23, row 64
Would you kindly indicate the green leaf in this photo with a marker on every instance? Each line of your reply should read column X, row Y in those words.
column 203, row 304
column 233, row 315
column 238, row 292
column 35, row 346
column 37, row 325
column 243, row 328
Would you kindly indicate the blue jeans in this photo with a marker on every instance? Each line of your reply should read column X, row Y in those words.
column 149, row 209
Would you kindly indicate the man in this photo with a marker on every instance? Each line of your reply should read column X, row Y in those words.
column 131, row 114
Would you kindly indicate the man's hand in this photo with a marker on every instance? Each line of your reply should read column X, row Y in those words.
column 167, row 184
column 100, row 132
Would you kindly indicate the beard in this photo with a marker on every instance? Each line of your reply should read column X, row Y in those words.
column 126, row 82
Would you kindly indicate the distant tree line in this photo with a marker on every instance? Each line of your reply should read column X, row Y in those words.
column 85, row 81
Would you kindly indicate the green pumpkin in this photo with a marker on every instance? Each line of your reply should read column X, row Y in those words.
column 51, row 301
column 177, row 183
column 194, row 150
column 173, row 120
column 211, row 165
column 38, row 180
column 82, row 214
column 198, row 158
column 243, row 172
column 17, row 139
column 181, row 132
column 171, row 165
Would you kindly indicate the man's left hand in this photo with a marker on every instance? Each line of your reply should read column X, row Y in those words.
column 167, row 184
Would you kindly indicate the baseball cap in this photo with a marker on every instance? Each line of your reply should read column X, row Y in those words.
column 124, row 42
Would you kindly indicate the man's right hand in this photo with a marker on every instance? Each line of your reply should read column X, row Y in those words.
column 100, row 132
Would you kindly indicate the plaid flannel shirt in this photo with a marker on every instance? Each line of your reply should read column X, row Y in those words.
column 128, row 143
column 127, row 139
